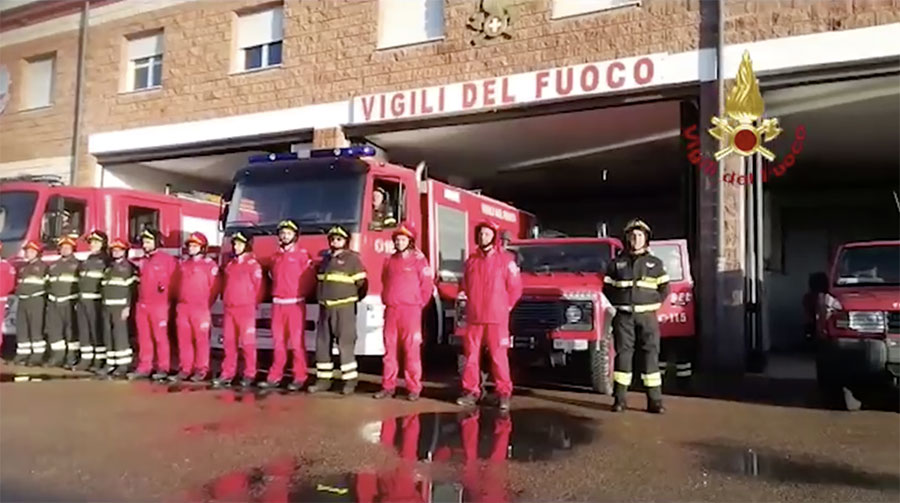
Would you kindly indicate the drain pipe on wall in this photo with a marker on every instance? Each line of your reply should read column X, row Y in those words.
column 79, row 91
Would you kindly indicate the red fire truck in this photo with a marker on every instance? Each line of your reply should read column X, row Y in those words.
column 41, row 208
column 564, row 319
column 336, row 187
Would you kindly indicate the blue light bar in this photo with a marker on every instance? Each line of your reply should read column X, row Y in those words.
column 263, row 158
column 354, row 151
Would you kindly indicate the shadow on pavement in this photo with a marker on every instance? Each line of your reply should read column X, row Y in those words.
column 14, row 493
column 788, row 468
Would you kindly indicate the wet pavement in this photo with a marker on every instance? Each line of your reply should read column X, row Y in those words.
column 67, row 437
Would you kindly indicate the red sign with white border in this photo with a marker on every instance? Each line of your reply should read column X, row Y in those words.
column 510, row 90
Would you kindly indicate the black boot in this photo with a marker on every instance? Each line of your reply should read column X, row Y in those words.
column 181, row 376
column 120, row 372
column 199, row 376
column 221, row 382
column 349, row 387
column 83, row 365
column 384, row 393
column 20, row 360
column 654, row 400
column 56, row 359
column 620, row 392
column 319, row 386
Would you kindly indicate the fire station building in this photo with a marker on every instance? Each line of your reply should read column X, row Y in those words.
column 583, row 112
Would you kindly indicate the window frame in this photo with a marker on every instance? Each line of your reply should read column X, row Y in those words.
column 134, row 234
column 444, row 274
column 24, row 104
column 239, row 52
column 57, row 228
column 130, row 81
column 382, row 23
column 588, row 7
column 265, row 56
column 394, row 202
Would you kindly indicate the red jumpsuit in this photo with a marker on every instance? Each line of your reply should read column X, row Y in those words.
column 7, row 286
column 400, row 485
column 196, row 291
column 152, row 314
column 491, row 483
column 408, row 286
column 243, row 281
column 291, row 281
column 492, row 285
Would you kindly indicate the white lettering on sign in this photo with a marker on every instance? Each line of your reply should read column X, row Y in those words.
column 500, row 213
column 451, row 195
column 557, row 83
column 672, row 318
column 385, row 246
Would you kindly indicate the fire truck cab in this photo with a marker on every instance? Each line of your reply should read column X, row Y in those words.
column 43, row 209
column 338, row 187
column 564, row 319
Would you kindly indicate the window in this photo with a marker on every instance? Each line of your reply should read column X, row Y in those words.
column 670, row 254
column 452, row 238
column 139, row 219
column 386, row 205
column 63, row 216
column 259, row 36
column 406, row 22
column 145, row 55
column 567, row 8
column 39, row 73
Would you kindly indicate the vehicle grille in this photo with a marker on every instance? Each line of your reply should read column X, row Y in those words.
column 536, row 316
column 893, row 322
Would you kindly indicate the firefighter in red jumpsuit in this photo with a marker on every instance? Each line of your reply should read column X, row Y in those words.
column 243, row 282
column 157, row 270
column 292, row 277
column 197, row 288
column 408, row 286
column 7, row 285
column 492, row 285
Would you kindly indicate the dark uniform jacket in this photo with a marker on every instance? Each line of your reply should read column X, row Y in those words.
column 90, row 275
column 63, row 279
column 118, row 283
column 32, row 280
column 636, row 283
column 342, row 279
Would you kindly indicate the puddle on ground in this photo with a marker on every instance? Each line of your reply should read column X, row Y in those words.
column 477, row 446
column 9, row 377
column 794, row 469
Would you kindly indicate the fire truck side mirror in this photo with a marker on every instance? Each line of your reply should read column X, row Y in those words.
column 421, row 170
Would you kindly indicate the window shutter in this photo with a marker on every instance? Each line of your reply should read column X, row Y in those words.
column 404, row 22
column 260, row 28
column 145, row 47
column 40, row 83
column 566, row 8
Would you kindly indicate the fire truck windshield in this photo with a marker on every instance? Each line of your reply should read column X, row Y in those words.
column 315, row 202
column 16, row 209
column 869, row 265
column 562, row 257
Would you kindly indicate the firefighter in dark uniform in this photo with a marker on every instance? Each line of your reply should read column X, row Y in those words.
column 341, row 284
column 382, row 216
column 90, row 275
column 636, row 284
column 62, row 292
column 31, row 288
column 118, row 287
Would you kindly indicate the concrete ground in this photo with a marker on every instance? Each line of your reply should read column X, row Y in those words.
column 69, row 438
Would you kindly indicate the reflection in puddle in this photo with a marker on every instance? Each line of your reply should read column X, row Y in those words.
column 787, row 468
column 9, row 377
column 477, row 446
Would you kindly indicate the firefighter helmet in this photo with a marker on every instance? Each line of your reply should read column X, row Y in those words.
column 150, row 234
column 197, row 238
column 34, row 245
column 66, row 240
column 407, row 229
column 338, row 230
column 637, row 223
column 288, row 224
column 490, row 225
column 118, row 243
column 97, row 235
column 241, row 238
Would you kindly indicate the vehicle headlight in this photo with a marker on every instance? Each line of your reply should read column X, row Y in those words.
column 574, row 314
column 870, row 322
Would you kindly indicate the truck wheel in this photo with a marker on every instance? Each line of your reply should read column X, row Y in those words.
column 601, row 365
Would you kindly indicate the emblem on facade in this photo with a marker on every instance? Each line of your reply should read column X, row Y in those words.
column 744, row 108
column 4, row 87
column 493, row 20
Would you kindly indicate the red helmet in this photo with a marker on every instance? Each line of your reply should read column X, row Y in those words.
column 197, row 238
column 34, row 245
column 407, row 229
column 66, row 240
column 118, row 243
